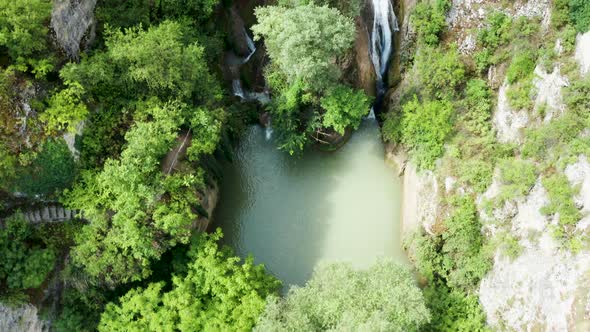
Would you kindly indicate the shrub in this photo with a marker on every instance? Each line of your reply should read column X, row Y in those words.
column 340, row 298
column 580, row 14
column 424, row 128
column 522, row 65
column 476, row 173
column 429, row 20
column 478, row 104
column 520, row 95
column 23, row 28
column 23, row 264
column 568, row 38
column 66, row 109
column 453, row 310
column 517, row 176
column 561, row 202
column 560, row 13
column 464, row 261
column 51, row 170
column 498, row 31
column 440, row 72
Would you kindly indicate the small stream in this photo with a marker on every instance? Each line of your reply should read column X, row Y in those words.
column 293, row 212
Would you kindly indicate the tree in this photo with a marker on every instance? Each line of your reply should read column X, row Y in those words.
column 303, row 41
column 340, row 298
column 138, row 64
column 50, row 170
column 23, row 28
column 137, row 212
column 580, row 14
column 22, row 265
column 120, row 247
column 344, row 108
column 218, row 293
column 66, row 109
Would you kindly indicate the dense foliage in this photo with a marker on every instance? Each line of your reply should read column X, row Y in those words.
column 423, row 128
column 304, row 41
column 23, row 266
column 217, row 292
column 337, row 297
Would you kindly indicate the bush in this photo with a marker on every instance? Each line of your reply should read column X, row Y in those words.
column 424, row 128
column 23, row 264
column 219, row 292
column 522, row 66
column 464, row 261
column 561, row 202
column 476, row 173
column 478, row 105
column 517, row 176
column 439, row 72
column 429, row 20
column 498, row 31
column 560, row 13
column 521, row 94
column 66, row 109
column 580, row 14
column 453, row 310
column 23, row 28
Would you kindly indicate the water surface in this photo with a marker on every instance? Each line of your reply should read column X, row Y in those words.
column 293, row 212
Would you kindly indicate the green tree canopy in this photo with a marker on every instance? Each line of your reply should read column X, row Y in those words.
column 303, row 41
column 344, row 108
column 218, row 293
column 137, row 211
column 23, row 27
column 22, row 264
column 160, row 61
column 340, row 298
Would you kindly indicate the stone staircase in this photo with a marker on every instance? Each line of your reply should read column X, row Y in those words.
column 51, row 213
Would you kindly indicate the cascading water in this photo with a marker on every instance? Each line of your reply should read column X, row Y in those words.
column 236, row 86
column 251, row 46
column 268, row 131
column 238, row 90
column 384, row 24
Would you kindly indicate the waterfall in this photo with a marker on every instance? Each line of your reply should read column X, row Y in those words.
column 384, row 24
column 251, row 46
column 236, row 86
column 268, row 131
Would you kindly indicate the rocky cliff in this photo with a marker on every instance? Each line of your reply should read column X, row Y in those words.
column 73, row 24
column 546, row 287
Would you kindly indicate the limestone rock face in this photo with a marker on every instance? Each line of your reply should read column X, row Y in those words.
column 73, row 24
column 21, row 319
column 465, row 16
column 548, row 87
column 509, row 123
column 583, row 52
